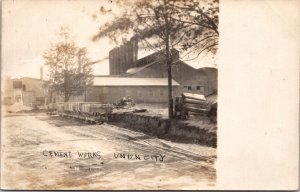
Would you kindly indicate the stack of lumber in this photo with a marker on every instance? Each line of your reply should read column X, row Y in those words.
column 192, row 104
column 195, row 104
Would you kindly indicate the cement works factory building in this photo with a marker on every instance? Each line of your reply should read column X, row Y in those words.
column 144, row 79
column 123, row 62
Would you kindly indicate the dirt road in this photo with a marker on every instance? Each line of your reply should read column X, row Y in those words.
column 48, row 152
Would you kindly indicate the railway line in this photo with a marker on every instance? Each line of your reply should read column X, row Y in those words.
column 145, row 143
column 26, row 142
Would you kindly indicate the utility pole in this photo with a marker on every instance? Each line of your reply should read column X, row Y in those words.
column 169, row 63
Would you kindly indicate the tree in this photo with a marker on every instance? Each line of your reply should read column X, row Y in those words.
column 188, row 25
column 69, row 67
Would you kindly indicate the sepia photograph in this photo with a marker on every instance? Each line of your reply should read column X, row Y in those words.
column 109, row 94
column 150, row 94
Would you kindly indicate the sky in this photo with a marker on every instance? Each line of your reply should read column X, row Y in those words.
column 30, row 26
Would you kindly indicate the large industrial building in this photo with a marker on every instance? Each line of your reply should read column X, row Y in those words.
column 123, row 62
column 144, row 80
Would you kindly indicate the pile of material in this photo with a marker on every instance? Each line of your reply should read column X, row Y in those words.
column 192, row 104
column 126, row 102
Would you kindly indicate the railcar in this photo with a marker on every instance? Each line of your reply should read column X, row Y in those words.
column 92, row 112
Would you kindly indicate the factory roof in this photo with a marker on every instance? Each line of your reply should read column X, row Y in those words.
column 127, row 81
column 135, row 70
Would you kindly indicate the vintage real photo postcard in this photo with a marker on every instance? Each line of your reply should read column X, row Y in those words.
column 123, row 95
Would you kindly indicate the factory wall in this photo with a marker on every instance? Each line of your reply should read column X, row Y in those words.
column 140, row 94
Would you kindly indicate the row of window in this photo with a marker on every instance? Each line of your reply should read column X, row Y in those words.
column 198, row 88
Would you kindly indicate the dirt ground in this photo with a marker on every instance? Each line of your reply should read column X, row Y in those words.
column 49, row 152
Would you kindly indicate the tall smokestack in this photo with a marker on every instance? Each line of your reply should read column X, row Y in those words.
column 134, row 50
column 124, row 57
